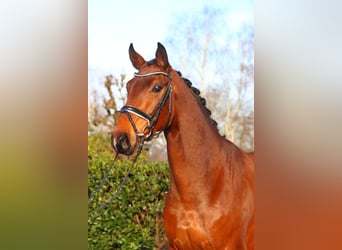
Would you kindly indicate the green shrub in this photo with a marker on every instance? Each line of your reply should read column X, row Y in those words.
column 133, row 220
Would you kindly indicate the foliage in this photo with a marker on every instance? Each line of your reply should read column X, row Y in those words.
column 133, row 220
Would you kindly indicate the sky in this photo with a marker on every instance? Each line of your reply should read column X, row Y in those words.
column 113, row 25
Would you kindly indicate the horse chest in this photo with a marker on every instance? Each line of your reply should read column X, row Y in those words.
column 187, row 229
column 189, row 220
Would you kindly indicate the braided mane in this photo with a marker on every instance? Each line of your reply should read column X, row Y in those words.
column 200, row 98
column 195, row 91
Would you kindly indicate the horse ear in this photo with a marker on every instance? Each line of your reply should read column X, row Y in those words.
column 161, row 56
column 136, row 59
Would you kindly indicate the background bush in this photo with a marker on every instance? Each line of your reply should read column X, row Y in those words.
column 133, row 220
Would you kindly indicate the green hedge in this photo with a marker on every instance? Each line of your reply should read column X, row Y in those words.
column 133, row 220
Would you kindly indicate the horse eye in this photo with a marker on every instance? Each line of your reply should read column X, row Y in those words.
column 157, row 88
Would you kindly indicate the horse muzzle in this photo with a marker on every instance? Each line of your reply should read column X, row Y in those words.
column 122, row 144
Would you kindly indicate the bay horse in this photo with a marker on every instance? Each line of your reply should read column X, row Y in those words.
column 210, row 203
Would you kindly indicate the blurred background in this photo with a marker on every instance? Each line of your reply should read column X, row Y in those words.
column 44, row 107
column 212, row 44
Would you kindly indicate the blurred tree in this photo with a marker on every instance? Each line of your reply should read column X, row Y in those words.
column 111, row 104
column 220, row 62
column 103, row 116
column 194, row 41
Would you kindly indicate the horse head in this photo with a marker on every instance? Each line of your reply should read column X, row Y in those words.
column 147, row 111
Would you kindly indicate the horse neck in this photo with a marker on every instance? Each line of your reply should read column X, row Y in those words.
column 193, row 144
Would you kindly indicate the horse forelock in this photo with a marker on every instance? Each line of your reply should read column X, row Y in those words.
column 151, row 62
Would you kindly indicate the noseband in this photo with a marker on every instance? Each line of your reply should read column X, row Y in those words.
column 153, row 118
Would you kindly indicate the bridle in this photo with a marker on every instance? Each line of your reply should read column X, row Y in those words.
column 153, row 118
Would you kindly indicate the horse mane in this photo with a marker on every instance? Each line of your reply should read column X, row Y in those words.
column 200, row 99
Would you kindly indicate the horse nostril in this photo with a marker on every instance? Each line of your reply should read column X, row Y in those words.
column 123, row 144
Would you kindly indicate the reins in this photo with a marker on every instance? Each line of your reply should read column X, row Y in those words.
column 105, row 203
column 103, row 180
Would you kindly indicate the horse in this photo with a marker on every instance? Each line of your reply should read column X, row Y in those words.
column 210, row 201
